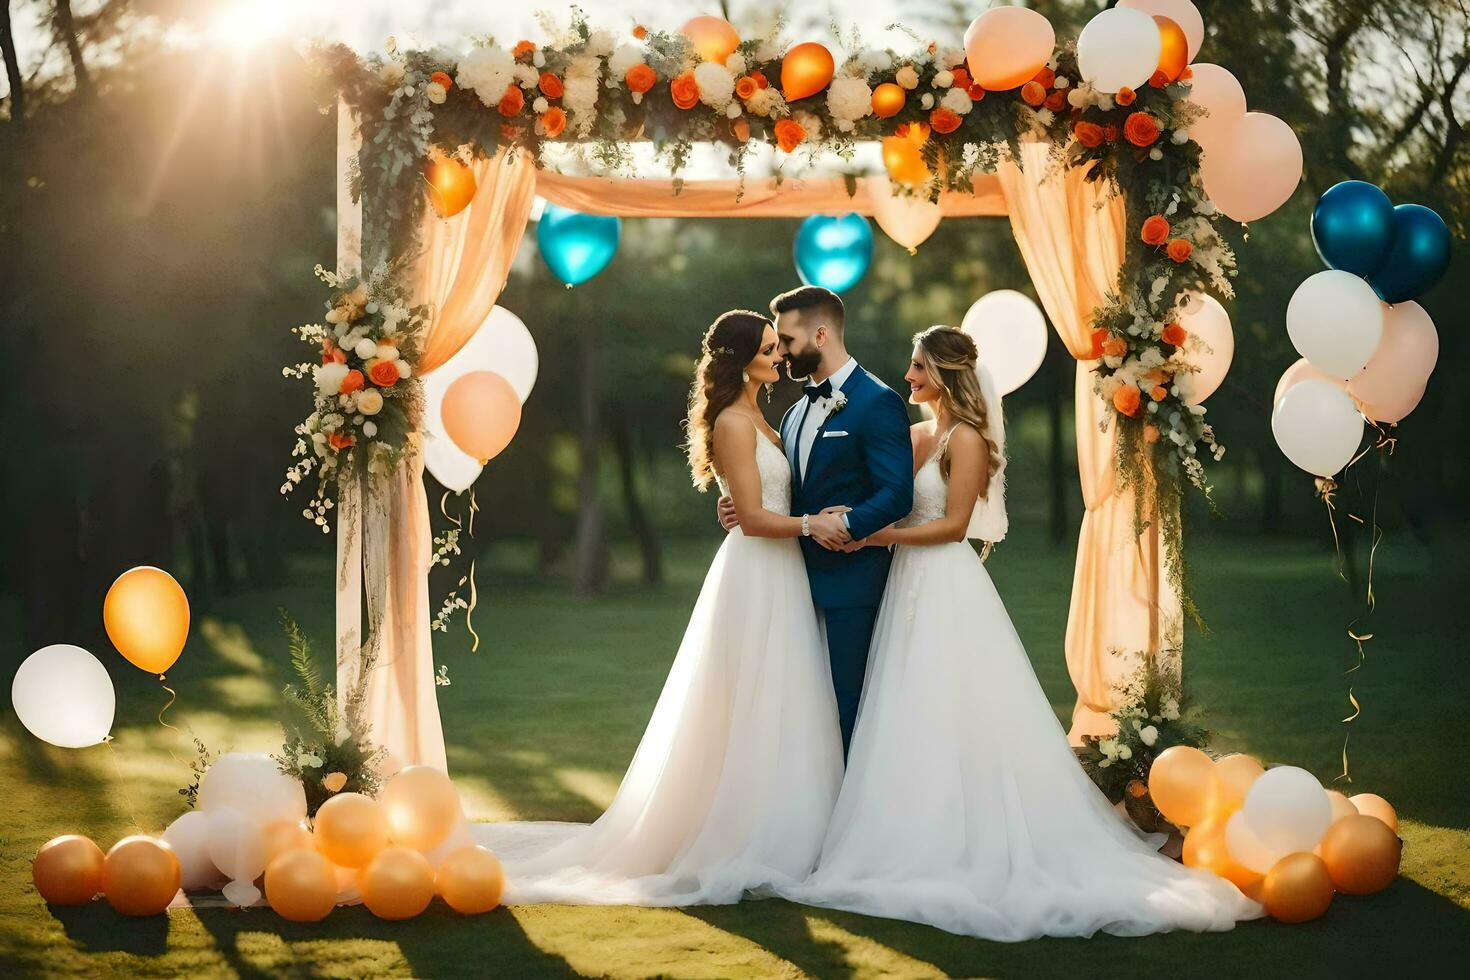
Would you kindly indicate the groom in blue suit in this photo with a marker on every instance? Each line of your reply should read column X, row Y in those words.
column 848, row 443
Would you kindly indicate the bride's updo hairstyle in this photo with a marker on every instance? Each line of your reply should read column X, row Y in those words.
column 950, row 357
column 730, row 343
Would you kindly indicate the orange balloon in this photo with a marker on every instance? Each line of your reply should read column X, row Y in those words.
column 140, row 875
column 1236, row 773
column 301, row 886
column 68, row 870
column 903, row 155
column 1341, row 806
column 1297, row 888
column 888, row 99
column 422, row 807
column 1184, row 785
column 806, row 70
column 713, row 37
column 451, row 184
column 285, row 835
column 1174, row 47
column 1373, row 805
column 1205, row 847
column 1362, row 854
column 350, row 829
column 470, row 880
column 146, row 614
column 481, row 413
column 398, row 884
column 1006, row 46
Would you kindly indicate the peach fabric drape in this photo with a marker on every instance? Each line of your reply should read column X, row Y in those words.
column 1071, row 236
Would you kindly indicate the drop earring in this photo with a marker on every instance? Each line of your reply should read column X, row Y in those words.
column 745, row 377
column 769, row 388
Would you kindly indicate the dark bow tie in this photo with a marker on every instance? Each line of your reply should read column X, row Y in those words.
column 823, row 390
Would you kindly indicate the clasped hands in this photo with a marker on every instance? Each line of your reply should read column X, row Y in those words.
column 828, row 528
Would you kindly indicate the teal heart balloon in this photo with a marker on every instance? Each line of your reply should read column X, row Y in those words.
column 576, row 246
column 833, row 252
column 1419, row 257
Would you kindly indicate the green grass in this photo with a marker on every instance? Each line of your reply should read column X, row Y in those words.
column 542, row 720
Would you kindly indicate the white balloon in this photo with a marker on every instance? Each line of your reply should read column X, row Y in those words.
column 1335, row 320
column 189, row 837
column 1181, row 12
column 63, row 695
column 236, row 844
column 1010, row 331
column 503, row 345
column 252, row 783
column 1215, row 90
column 242, row 893
column 1245, row 846
column 1300, row 371
column 1206, row 319
column 1317, row 426
column 1118, row 49
column 908, row 219
column 1288, row 809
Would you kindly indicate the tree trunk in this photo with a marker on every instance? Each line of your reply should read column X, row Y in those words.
column 592, row 559
column 66, row 27
column 12, row 70
column 643, row 529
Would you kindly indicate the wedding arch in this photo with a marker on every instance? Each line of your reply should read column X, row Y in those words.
column 1102, row 190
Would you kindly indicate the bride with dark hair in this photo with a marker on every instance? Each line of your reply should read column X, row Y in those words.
column 734, row 780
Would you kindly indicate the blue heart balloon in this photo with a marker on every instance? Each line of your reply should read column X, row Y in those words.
column 576, row 246
column 1419, row 258
column 1352, row 227
column 833, row 252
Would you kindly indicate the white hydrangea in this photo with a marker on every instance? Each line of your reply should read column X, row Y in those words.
column 580, row 101
column 944, row 79
column 716, row 85
column 849, row 99
column 873, row 62
column 957, row 100
column 329, row 377
column 487, row 71
column 907, row 78
column 768, row 50
column 623, row 58
column 766, row 102
column 735, row 64
column 392, row 73
column 812, row 123
column 583, row 66
column 600, row 43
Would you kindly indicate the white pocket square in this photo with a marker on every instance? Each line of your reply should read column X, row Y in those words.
column 832, row 435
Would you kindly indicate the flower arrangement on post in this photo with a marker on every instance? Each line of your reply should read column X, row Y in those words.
column 1152, row 715
column 367, row 400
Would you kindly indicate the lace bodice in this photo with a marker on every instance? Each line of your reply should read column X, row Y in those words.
column 931, row 493
column 775, row 471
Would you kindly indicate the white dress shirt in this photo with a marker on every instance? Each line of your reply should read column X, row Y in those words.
column 816, row 413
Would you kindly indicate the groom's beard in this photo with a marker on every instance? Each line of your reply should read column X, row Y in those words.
column 800, row 366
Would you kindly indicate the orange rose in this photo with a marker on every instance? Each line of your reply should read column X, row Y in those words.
column 1099, row 337
column 523, row 50
column 1150, row 433
column 1127, row 399
column 1157, row 393
column 1159, row 80
column 442, row 79
column 1141, row 129
column 338, row 441
column 1033, row 93
column 745, row 87
column 1156, row 377
column 944, row 120
column 351, row 382
column 552, row 122
column 1057, row 101
column 550, row 85
column 1088, row 134
column 640, row 78
column 383, row 373
column 760, row 79
column 685, row 91
column 1125, row 96
column 976, row 92
column 1155, row 230
column 333, row 782
column 1179, row 250
column 1174, row 335
column 741, row 128
column 1114, row 347
column 512, row 102
column 640, row 32
column 1045, row 78
column 962, row 77
column 789, row 134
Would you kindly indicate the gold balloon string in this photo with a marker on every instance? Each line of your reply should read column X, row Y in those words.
column 122, row 784
column 1326, row 488
column 172, row 697
column 474, row 509
column 444, row 509
column 469, row 614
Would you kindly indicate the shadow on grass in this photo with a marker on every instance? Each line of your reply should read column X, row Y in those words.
column 96, row 928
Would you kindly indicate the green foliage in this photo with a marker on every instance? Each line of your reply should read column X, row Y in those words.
column 198, row 766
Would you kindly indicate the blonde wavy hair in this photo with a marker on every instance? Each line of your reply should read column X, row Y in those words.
column 949, row 357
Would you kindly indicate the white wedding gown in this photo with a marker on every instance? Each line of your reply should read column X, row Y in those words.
column 964, row 807
column 733, row 784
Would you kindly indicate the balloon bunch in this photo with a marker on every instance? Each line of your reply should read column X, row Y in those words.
column 833, row 252
column 1367, row 350
column 1277, row 835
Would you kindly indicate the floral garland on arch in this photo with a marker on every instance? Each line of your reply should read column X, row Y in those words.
column 595, row 93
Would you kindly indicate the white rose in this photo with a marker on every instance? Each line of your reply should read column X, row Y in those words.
column 733, row 110
column 927, row 102
column 1149, row 734
column 540, row 105
column 716, row 85
column 944, row 79
column 1156, row 154
column 907, row 77
column 527, row 76
column 1076, row 98
column 1180, row 136
column 329, row 377
column 487, row 72
column 539, row 58
column 370, row 429
column 735, row 64
column 435, row 93
column 1124, row 752
column 387, row 352
column 365, row 348
column 625, row 57
column 404, row 369
column 370, row 401
column 957, row 100
column 1061, row 81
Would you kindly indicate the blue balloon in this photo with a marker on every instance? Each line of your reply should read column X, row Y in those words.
column 576, row 246
column 1352, row 227
column 1420, row 255
column 833, row 252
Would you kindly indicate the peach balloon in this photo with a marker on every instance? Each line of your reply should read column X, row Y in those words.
column 1395, row 411
column 1362, row 855
column 1173, row 48
column 1006, row 46
column 1301, row 371
column 712, row 37
column 470, row 880
column 481, row 414
column 146, row 614
column 1373, row 805
column 301, row 886
column 285, row 835
column 908, row 219
column 1236, row 773
column 67, row 870
column 398, row 884
column 1206, row 847
column 1341, row 807
column 422, row 807
column 1183, row 784
column 1297, row 888
column 140, row 875
column 451, row 184
column 806, row 70
column 1254, row 168
column 1215, row 90
column 1181, row 12
column 1206, row 320
column 350, row 829
column 1404, row 360
column 888, row 100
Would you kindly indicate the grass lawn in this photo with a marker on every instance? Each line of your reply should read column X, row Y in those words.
column 543, row 719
